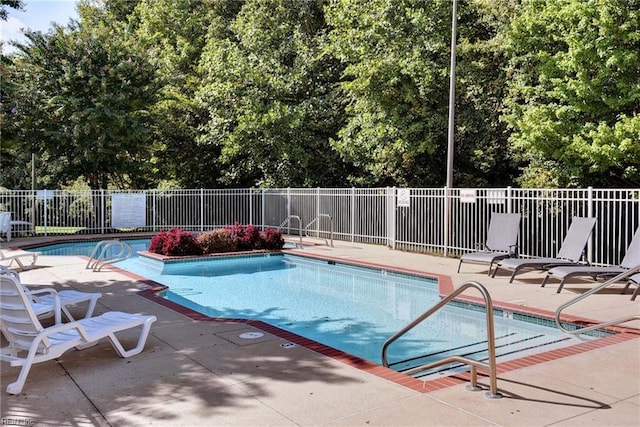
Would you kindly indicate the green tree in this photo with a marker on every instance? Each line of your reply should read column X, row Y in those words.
column 14, row 4
column 397, row 56
column 174, row 33
column 482, row 157
column 271, row 93
column 575, row 92
column 83, row 102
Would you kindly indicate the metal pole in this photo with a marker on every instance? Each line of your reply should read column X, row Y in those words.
column 33, row 171
column 452, row 94
column 451, row 130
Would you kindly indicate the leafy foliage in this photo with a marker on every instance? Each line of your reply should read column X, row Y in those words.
column 271, row 95
column 575, row 93
column 271, row 239
column 246, row 237
column 325, row 93
column 237, row 237
column 217, row 241
column 175, row 242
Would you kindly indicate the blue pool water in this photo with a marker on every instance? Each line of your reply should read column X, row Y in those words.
column 350, row 308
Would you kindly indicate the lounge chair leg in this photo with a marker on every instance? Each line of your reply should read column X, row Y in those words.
column 544, row 281
column 459, row 264
column 512, row 276
column 560, row 287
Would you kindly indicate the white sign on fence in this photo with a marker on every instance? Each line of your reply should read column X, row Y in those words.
column 467, row 195
column 128, row 210
column 404, row 197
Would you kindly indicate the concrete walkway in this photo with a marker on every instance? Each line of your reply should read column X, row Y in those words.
column 200, row 372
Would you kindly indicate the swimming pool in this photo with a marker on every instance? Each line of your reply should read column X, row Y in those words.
column 353, row 309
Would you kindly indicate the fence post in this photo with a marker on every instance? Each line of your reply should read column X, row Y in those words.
column 45, row 204
column 590, row 215
column 447, row 219
column 353, row 212
column 153, row 210
column 289, row 210
column 263, row 225
column 391, row 217
column 102, row 211
column 202, row 210
column 509, row 200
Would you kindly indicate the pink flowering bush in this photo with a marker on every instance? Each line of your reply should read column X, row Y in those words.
column 178, row 242
column 175, row 242
column 246, row 237
column 272, row 239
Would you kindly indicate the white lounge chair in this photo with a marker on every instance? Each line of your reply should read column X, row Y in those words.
column 501, row 243
column 18, row 257
column 49, row 302
column 25, row 334
column 631, row 259
column 570, row 253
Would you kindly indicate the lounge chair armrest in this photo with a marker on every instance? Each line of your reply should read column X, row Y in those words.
column 42, row 291
column 57, row 305
column 61, row 327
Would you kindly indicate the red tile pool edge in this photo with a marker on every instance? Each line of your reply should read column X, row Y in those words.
column 445, row 287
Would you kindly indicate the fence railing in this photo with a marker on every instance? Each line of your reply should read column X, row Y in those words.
column 437, row 220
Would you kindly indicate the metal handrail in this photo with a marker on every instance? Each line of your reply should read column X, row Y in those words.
column 317, row 218
column 617, row 278
column 98, row 258
column 288, row 220
column 473, row 364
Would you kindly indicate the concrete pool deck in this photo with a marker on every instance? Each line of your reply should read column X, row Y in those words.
column 201, row 373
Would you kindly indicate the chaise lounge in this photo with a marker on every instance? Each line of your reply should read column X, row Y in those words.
column 570, row 252
column 30, row 342
column 501, row 243
column 630, row 260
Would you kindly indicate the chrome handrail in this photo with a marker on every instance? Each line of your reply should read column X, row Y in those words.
column 98, row 258
column 473, row 364
column 617, row 278
column 288, row 220
column 317, row 218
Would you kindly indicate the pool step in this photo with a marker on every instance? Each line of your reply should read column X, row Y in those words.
column 508, row 347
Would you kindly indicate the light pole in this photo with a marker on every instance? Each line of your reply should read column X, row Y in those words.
column 452, row 94
column 451, row 129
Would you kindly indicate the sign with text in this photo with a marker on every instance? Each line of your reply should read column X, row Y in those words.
column 468, row 195
column 128, row 210
column 404, row 197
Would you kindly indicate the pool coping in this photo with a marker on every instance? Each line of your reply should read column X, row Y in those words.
column 445, row 287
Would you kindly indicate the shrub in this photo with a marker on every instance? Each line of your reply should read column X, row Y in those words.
column 246, row 237
column 217, row 241
column 178, row 242
column 175, row 242
column 272, row 239
column 157, row 242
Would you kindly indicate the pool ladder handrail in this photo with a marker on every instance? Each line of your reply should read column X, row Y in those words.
column 99, row 258
column 473, row 364
column 617, row 278
column 317, row 218
column 288, row 220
